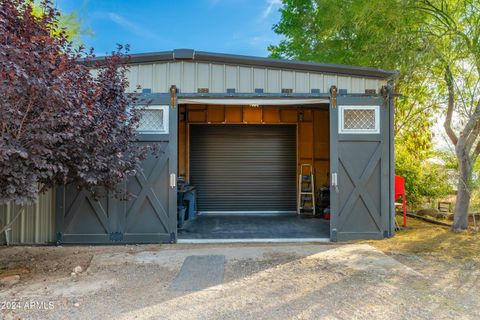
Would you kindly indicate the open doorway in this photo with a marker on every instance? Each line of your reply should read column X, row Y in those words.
column 243, row 163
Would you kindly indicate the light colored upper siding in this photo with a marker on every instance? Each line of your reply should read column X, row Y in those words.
column 189, row 76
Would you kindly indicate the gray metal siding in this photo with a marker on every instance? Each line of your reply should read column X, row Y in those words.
column 244, row 168
column 36, row 225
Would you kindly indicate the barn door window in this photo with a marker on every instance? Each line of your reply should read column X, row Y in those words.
column 359, row 119
column 153, row 119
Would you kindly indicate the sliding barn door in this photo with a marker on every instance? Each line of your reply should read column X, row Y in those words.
column 150, row 214
column 360, row 168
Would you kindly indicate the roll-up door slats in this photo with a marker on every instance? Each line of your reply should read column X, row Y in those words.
column 244, row 167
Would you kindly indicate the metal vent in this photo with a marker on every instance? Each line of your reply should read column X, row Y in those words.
column 315, row 91
column 258, row 90
column 287, row 90
column 230, row 90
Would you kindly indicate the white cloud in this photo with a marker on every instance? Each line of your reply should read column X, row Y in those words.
column 131, row 26
column 271, row 5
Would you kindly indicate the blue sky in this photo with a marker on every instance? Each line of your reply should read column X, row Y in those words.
column 227, row 26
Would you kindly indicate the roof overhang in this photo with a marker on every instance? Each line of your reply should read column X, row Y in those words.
column 202, row 56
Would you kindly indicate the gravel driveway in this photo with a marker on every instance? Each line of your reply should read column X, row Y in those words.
column 299, row 281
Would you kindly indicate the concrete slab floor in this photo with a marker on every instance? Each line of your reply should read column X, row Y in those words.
column 255, row 227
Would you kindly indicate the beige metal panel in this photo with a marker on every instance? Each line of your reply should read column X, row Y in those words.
column 218, row 78
column 328, row 81
column 245, row 79
column 188, row 77
column 288, row 80
column 145, row 76
column 160, row 77
column 344, row 83
column 273, row 81
column 259, row 78
column 302, row 82
column 358, row 85
column 175, row 74
column 372, row 84
column 203, row 75
column 231, row 77
column 316, row 81
column 132, row 76
column 36, row 225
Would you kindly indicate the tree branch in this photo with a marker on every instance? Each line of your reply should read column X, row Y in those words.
column 451, row 104
column 476, row 151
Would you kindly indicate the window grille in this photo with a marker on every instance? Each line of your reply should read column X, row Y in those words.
column 153, row 119
column 359, row 119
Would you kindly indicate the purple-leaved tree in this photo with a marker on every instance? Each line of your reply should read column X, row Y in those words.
column 58, row 123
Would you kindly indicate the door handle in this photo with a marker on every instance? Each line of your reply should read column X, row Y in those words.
column 173, row 180
column 335, row 181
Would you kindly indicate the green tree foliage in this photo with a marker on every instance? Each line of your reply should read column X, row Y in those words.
column 425, row 179
column 452, row 33
column 382, row 34
column 69, row 24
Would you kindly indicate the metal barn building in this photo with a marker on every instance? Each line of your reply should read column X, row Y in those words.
column 239, row 130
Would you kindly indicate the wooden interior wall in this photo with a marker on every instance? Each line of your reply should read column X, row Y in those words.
column 312, row 131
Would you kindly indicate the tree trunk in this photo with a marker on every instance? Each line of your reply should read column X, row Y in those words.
column 460, row 222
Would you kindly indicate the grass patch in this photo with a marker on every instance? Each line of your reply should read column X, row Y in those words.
column 422, row 237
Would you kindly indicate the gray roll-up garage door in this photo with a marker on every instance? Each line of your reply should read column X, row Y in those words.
column 244, row 167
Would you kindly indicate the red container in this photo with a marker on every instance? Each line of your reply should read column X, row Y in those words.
column 326, row 213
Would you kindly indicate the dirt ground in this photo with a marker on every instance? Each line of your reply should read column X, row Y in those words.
column 425, row 272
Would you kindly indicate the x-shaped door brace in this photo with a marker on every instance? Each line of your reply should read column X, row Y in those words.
column 147, row 193
column 359, row 187
column 98, row 209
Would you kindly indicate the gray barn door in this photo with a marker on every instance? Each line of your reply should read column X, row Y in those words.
column 148, row 217
column 359, row 168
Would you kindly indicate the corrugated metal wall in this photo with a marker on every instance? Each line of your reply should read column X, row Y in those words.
column 36, row 225
column 189, row 76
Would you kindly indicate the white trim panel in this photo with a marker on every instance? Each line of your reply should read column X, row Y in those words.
column 259, row 102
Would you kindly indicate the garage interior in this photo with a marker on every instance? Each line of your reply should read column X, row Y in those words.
column 244, row 162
